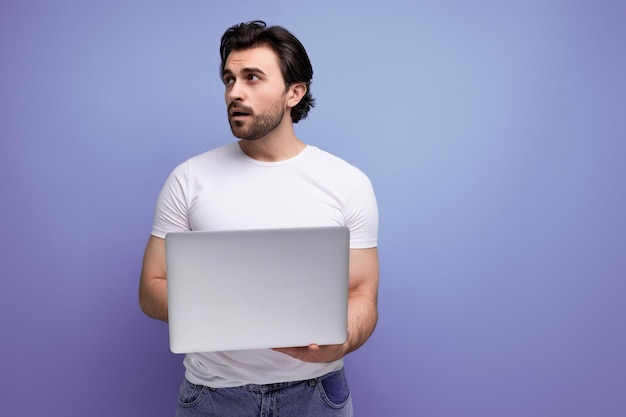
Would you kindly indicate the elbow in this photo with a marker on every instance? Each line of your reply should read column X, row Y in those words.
column 144, row 305
column 150, row 307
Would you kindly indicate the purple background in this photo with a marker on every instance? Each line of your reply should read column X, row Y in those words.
column 494, row 135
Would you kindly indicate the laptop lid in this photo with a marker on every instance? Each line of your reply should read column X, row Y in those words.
column 252, row 289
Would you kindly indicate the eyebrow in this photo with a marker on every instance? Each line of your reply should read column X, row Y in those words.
column 252, row 70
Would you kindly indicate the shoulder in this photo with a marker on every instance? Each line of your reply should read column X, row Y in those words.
column 331, row 161
column 338, row 168
column 223, row 153
column 212, row 159
column 198, row 165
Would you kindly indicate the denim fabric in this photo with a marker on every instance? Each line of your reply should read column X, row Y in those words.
column 326, row 396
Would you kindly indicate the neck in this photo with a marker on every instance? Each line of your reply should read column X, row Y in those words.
column 278, row 145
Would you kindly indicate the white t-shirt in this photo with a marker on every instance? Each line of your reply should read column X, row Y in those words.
column 224, row 189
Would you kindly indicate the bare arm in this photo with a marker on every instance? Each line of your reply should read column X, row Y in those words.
column 362, row 310
column 363, row 297
column 153, row 283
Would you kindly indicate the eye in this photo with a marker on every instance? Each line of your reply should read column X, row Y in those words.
column 229, row 80
column 253, row 77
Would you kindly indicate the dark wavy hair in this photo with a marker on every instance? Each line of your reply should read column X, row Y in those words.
column 294, row 61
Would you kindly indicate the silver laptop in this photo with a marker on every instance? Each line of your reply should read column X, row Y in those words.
column 251, row 289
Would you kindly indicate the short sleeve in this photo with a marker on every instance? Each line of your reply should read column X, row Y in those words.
column 172, row 209
column 362, row 212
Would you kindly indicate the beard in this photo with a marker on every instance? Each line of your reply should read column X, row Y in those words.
column 255, row 126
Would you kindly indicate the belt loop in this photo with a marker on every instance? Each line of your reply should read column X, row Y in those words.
column 313, row 381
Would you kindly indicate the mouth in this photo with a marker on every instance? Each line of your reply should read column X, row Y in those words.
column 238, row 111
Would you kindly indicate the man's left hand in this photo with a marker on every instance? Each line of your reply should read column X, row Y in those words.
column 315, row 353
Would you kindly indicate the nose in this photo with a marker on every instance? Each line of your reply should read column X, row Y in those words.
column 235, row 91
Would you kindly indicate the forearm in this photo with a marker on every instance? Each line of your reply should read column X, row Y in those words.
column 153, row 298
column 152, row 283
column 362, row 319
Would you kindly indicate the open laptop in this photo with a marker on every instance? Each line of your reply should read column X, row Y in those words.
column 251, row 289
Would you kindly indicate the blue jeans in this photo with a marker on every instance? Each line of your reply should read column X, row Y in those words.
column 325, row 396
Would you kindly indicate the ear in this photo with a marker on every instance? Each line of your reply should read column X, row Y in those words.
column 295, row 93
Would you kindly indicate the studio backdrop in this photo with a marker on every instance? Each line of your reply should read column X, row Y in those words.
column 493, row 133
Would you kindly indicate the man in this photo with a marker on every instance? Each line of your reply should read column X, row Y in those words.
column 269, row 178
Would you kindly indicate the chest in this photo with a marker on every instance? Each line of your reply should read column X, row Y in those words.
column 266, row 199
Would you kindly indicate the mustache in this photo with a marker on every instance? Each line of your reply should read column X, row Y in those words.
column 235, row 106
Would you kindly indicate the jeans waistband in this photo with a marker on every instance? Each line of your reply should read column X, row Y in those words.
column 265, row 388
